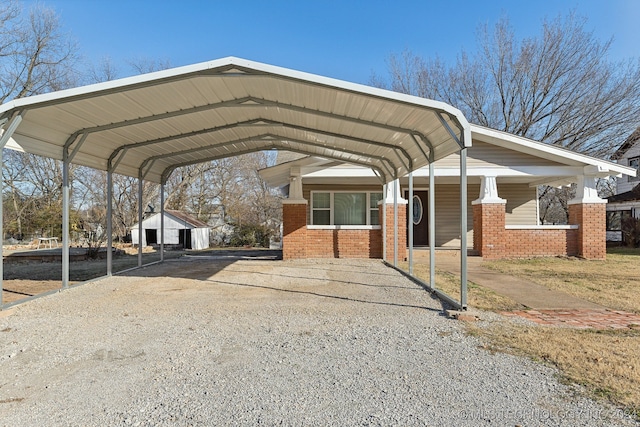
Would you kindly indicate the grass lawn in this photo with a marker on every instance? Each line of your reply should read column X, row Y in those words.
column 606, row 363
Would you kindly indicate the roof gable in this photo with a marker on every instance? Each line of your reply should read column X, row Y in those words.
column 632, row 140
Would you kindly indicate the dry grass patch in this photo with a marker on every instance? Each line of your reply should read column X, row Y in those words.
column 607, row 363
column 613, row 283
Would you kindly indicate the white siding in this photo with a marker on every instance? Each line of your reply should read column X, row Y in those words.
column 482, row 154
column 522, row 205
column 199, row 238
column 448, row 214
column 627, row 183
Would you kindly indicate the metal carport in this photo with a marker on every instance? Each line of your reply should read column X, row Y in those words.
column 147, row 126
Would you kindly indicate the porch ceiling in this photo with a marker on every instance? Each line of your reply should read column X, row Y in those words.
column 148, row 125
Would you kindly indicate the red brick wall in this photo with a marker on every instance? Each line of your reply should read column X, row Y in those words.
column 344, row 243
column 592, row 234
column 550, row 242
column 493, row 241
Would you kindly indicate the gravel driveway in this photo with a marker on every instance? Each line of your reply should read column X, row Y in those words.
column 249, row 342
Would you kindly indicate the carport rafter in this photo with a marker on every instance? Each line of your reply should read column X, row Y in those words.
column 118, row 153
column 244, row 102
column 273, row 143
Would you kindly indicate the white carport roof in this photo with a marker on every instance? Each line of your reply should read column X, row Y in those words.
column 146, row 126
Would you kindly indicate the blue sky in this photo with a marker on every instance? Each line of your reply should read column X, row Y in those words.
column 348, row 40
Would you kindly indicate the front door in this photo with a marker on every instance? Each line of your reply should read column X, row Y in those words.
column 419, row 220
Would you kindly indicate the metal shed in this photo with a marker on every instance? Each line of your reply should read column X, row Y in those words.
column 147, row 126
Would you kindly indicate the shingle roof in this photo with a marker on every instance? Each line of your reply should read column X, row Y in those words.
column 628, row 196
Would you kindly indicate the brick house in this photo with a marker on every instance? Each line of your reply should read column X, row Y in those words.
column 335, row 209
column 626, row 202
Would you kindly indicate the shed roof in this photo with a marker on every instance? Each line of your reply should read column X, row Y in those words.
column 148, row 125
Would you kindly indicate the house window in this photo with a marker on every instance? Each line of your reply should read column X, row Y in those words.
column 615, row 219
column 635, row 163
column 345, row 208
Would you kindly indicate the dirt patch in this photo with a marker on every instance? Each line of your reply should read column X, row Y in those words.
column 29, row 278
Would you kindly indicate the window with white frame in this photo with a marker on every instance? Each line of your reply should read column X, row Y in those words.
column 634, row 162
column 345, row 208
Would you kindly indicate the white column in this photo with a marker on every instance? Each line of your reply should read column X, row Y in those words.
column 586, row 191
column 488, row 192
column 295, row 185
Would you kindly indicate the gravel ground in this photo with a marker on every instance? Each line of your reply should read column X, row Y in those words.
column 216, row 342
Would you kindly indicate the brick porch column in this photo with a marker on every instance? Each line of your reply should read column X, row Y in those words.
column 402, row 230
column 489, row 218
column 294, row 219
column 588, row 211
column 294, row 229
column 489, row 230
column 385, row 207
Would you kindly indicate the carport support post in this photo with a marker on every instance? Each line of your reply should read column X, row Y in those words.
column 109, row 222
column 1, row 232
column 395, row 222
column 410, row 223
column 140, row 219
column 162, row 222
column 432, row 226
column 65, row 219
column 13, row 125
column 384, row 222
column 463, row 227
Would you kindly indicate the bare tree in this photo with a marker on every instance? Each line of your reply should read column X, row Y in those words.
column 143, row 64
column 35, row 55
column 559, row 87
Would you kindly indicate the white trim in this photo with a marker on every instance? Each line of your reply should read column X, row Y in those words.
column 489, row 192
column 344, row 227
column 542, row 227
column 295, row 202
column 552, row 152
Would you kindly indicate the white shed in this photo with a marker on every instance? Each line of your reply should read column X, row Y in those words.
column 179, row 228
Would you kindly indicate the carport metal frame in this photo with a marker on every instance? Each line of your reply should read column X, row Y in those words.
column 373, row 135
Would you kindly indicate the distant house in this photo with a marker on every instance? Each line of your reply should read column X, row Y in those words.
column 180, row 229
column 626, row 202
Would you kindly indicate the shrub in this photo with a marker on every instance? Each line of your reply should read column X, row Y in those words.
column 251, row 235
